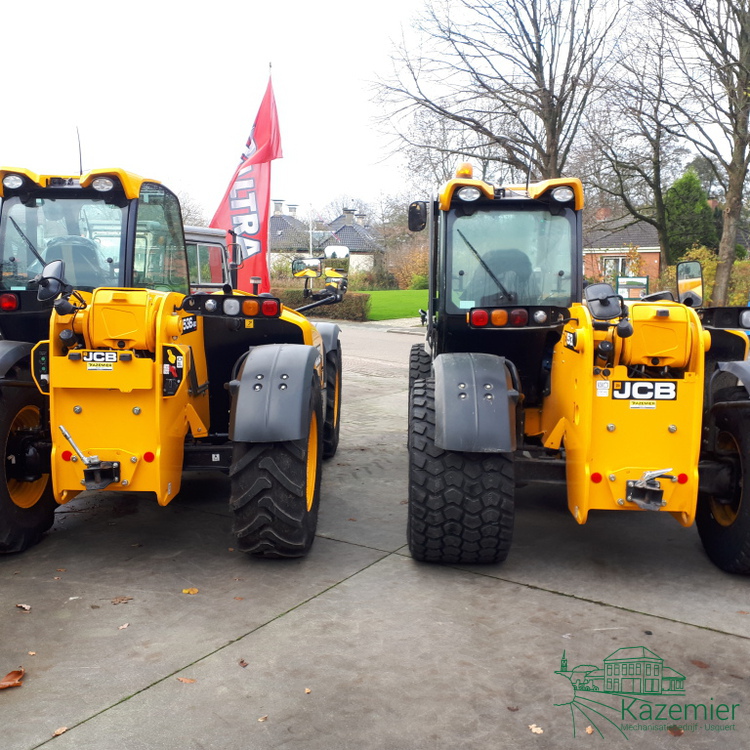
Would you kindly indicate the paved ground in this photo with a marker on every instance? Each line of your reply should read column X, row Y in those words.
column 357, row 646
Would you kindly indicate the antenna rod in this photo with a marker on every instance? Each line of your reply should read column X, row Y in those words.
column 80, row 155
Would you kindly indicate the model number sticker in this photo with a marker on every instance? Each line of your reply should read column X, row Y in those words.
column 644, row 390
column 189, row 323
column 570, row 340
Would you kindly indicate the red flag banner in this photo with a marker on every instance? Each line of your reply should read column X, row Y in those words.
column 244, row 208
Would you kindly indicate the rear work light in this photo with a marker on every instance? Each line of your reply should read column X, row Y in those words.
column 8, row 302
column 12, row 181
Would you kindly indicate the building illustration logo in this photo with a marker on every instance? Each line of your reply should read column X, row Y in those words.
column 634, row 690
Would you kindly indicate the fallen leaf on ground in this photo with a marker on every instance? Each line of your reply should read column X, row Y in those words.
column 187, row 680
column 24, row 607
column 122, row 599
column 59, row 731
column 535, row 729
column 351, row 519
column 308, row 691
column 676, row 731
column 239, row 598
column 57, row 578
column 62, row 570
column 742, row 612
column 512, row 708
column 125, row 625
column 190, row 591
column 242, row 663
column 589, row 730
column 263, row 718
column 698, row 663
column 13, row 679
column 32, row 653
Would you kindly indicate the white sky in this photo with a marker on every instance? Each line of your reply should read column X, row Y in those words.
column 169, row 90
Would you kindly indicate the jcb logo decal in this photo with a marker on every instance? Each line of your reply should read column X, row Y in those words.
column 100, row 357
column 645, row 390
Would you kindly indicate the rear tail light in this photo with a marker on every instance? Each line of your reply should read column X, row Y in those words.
column 270, row 307
column 8, row 302
column 519, row 317
column 479, row 317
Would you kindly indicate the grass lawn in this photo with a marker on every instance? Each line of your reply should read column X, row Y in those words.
column 400, row 303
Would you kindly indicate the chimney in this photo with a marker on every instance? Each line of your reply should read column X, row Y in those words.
column 602, row 214
column 348, row 217
column 361, row 219
column 278, row 207
column 292, row 210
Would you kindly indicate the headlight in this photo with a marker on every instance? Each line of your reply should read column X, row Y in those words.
column 745, row 318
column 12, row 181
column 468, row 193
column 563, row 194
column 103, row 184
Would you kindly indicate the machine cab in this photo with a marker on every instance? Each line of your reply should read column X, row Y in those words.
column 109, row 227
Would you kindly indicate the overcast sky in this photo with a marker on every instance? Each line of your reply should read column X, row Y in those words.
column 169, row 90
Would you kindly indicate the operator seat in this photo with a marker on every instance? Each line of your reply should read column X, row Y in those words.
column 82, row 261
column 514, row 271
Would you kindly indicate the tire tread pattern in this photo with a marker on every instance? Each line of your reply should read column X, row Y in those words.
column 461, row 505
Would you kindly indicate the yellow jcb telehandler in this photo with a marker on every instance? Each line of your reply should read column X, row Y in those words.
column 631, row 405
column 114, row 377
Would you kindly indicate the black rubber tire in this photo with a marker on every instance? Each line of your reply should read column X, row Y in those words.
column 332, row 425
column 724, row 523
column 27, row 509
column 461, row 505
column 275, row 490
column 420, row 364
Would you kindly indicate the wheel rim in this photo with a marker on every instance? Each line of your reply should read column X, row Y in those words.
column 725, row 512
column 25, row 494
column 312, row 460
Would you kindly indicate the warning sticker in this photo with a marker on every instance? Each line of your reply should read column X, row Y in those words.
column 602, row 388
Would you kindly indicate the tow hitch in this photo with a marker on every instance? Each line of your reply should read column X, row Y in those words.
column 646, row 492
column 97, row 475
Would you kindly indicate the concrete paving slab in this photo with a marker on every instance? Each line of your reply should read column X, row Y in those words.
column 645, row 562
column 403, row 655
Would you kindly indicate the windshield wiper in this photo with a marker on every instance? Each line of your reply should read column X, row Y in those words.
column 28, row 242
column 511, row 297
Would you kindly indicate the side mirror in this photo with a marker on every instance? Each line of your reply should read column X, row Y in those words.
column 51, row 281
column 417, row 216
column 602, row 301
column 309, row 268
column 690, row 283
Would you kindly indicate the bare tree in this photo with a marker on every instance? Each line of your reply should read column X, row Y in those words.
column 636, row 157
column 192, row 211
column 518, row 73
column 709, row 103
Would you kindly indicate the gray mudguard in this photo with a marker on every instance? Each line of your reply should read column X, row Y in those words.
column 739, row 368
column 475, row 403
column 271, row 396
column 329, row 332
column 11, row 352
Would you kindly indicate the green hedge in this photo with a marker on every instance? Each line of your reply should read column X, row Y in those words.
column 354, row 306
